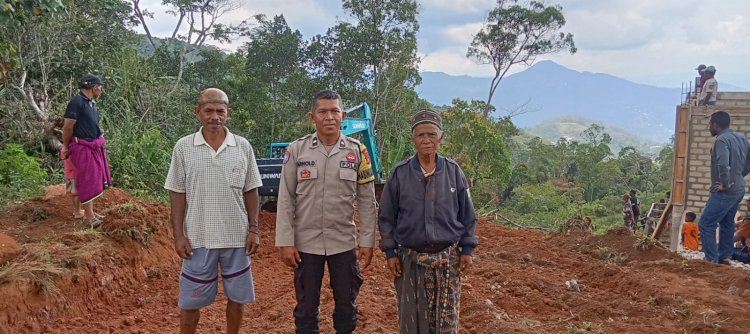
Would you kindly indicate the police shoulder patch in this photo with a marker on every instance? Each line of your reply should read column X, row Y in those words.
column 286, row 157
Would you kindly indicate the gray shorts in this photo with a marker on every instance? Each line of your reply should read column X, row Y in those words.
column 199, row 279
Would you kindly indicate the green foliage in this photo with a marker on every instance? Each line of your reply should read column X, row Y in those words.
column 373, row 59
column 20, row 175
column 477, row 144
column 139, row 159
column 17, row 12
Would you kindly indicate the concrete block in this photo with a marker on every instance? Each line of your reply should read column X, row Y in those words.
column 733, row 96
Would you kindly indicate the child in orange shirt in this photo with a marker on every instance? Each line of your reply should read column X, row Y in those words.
column 690, row 233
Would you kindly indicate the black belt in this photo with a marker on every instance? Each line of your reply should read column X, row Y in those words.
column 431, row 248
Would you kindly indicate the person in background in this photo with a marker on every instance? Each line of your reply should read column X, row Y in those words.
column 83, row 144
column 587, row 224
column 690, row 233
column 729, row 166
column 635, row 204
column 701, row 77
column 428, row 232
column 710, row 88
column 627, row 212
column 213, row 183
column 741, row 237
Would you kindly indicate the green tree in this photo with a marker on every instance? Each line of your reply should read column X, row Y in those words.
column 517, row 34
column 17, row 12
column 274, row 59
column 48, row 54
column 476, row 144
column 373, row 59
column 589, row 158
column 201, row 19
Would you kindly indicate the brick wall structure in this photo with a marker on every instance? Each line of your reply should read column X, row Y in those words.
column 693, row 143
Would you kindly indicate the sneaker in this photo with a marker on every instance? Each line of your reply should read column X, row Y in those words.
column 725, row 262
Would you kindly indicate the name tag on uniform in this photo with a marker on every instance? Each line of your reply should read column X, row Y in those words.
column 303, row 163
column 348, row 164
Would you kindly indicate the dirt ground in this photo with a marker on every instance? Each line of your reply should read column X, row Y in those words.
column 123, row 278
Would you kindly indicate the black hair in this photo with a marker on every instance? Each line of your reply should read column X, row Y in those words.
column 690, row 216
column 326, row 94
column 632, row 191
column 720, row 118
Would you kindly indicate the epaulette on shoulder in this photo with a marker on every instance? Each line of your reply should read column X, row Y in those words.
column 352, row 140
column 304, row 137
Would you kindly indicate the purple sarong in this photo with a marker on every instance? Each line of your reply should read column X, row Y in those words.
column 92, row 167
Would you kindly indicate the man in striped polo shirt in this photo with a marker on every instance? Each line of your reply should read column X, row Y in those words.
column 213, row 182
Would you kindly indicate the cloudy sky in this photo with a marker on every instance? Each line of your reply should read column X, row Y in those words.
column 646, row 41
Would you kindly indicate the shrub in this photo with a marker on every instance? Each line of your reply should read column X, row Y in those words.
column 21, row 175
column 139, row 160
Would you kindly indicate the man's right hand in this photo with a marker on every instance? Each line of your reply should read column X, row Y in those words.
column 290, row 256
column 182, row 247
column 394, row 265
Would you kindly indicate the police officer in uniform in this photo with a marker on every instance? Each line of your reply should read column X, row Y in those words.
column 322, row 175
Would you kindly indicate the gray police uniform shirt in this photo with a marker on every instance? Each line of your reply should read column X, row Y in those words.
column 315, row 211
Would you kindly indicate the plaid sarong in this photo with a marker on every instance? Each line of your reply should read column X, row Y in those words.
column 428, row 291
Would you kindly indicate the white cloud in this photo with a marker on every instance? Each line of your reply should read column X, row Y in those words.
column 463, row 6
column 309, row 16
column 453, row 63
column 462, row 34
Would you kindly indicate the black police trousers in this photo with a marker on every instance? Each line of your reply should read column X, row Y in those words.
column 346, row 280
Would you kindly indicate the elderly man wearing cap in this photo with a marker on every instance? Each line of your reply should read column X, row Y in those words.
column 84, row 144
column 710, row 88
column 427, row 228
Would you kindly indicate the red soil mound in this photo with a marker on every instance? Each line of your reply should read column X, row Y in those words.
column 124, row 280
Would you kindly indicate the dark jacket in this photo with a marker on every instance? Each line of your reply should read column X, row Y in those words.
column 729, row 161
column 427, row 214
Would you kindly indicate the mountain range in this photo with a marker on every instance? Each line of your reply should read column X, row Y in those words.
column 551, row 92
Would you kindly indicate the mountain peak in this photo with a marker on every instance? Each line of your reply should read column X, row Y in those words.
column 547, row 90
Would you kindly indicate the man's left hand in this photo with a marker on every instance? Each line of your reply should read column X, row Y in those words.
column 465, row 264
column 364, row 254
column 252, row 243
column 717, row 187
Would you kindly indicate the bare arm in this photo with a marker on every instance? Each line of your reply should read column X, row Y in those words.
column 252, row 205
column 67, row 134
column 178, row 204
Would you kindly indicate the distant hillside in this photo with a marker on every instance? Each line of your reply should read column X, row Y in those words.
column 552, row 90
column 571, row 127
column 192, row 52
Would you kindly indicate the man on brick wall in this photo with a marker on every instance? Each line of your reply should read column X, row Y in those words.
column 710, row 88
column 729, row 165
